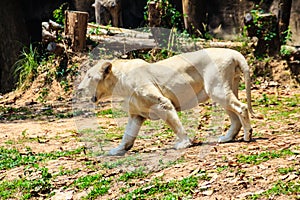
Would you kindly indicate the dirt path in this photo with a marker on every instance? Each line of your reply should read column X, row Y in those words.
column 266, row 168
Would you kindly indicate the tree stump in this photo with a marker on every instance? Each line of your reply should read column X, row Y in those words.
column 265, row 28
column 75, row 28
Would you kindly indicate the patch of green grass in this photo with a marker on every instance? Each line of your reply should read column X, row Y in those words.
column 22, row 113
column 279, row 108
column 280, row 188
column 100, row 188
column 135, row 174
column 11, row 113
column 85, row 182
column 123, row 161
column 173, row 189
column 286, row 170
column 10, row 158
column 242, row 86
column 99, row 184
column 68, row 172
column 34, row 186
column 221, row 168
column 171, row 162
column 263, row 157
column 267, row 100
column 9, row 142
column 112, row 113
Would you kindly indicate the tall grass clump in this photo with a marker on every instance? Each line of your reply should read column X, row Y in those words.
column 25, row 69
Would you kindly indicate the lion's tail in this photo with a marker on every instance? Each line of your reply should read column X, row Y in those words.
column 246, row 71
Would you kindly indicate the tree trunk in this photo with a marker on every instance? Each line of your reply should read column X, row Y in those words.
column 154, row 14
column 284, row 13
column 13, row 34
column 75, row 28
column 155, row 23
column 194, row 12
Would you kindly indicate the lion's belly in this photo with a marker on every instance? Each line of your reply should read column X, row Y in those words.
column 185, row 94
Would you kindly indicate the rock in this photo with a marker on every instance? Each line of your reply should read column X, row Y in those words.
column 208, row 192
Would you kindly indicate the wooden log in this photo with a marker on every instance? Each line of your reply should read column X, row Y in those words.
column 116, row 30
column 75, row 28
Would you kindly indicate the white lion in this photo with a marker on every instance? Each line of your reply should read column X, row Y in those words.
column 159, row 90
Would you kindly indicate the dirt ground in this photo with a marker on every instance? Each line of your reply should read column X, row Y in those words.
column 229, row 176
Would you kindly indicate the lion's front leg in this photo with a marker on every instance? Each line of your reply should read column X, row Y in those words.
column 174, row 122
column 132, row 129
column 166, row 111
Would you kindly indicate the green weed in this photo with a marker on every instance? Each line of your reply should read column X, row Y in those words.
column 100, row 185
column 59, row 13
column 63, row 172
column 173, row 189
column 279, row 188
column 137, row 173
column 124, row 161
column 171, row 17
column 221, row 168
column 10, row 158
column 37, row 184
column 263, row 157
column 25, row 69
column 112, row 113
column 286, row 170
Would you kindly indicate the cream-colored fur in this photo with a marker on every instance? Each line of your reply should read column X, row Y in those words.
column 158, row 91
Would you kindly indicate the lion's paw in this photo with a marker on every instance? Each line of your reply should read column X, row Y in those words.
column 183, row 144
column 117, row 152
column 223, row 139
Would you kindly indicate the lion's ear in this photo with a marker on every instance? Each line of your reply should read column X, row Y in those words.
column 106, row 69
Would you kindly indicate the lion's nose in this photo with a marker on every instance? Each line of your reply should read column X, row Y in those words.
column 94, row 99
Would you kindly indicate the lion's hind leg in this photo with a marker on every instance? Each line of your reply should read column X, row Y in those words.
column 241, row 111
column 234, row 129
column 232, row 104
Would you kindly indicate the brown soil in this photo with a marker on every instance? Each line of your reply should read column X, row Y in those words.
column 48, row 134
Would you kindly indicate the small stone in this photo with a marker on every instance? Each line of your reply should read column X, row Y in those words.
column 208, row 192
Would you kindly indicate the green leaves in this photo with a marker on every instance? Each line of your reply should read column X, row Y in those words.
column 59, row 14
